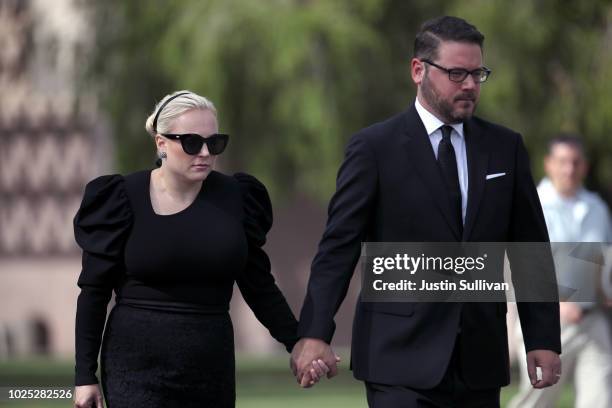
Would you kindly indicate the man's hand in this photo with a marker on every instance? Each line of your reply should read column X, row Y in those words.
column 570, row 312
column 309, row 350
column 88, row 396
column 549, row 362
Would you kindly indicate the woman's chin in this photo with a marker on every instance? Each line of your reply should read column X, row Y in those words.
column 197, row 173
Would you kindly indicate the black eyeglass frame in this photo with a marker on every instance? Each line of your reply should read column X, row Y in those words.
column 208, row 141
column 464, row 72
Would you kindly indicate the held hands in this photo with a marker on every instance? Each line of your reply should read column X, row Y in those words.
column 311, row 359
column 549, row 362
column 88, row 396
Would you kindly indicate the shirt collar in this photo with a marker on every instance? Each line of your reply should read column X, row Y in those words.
column 549, row 194
column 432, row 123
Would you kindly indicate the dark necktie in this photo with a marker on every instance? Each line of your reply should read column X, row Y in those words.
column 448, row 165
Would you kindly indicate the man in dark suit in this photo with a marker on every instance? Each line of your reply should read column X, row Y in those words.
column 433, row 173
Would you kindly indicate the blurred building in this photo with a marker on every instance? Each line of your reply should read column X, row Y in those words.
column 53, row 139
column 51, row 142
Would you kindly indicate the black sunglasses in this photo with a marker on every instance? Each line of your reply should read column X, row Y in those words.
column 192, row 143
column 480, row 75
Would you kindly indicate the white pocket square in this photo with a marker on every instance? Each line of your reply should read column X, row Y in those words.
column 495, row 175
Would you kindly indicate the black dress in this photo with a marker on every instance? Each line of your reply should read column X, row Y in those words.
column 168, row 341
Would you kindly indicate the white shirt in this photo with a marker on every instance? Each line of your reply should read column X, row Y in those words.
column 432, row 126
column 582, row 218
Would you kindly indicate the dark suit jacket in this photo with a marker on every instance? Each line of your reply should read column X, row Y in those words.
column 389, row 189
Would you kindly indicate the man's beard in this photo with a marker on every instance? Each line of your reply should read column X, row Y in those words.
column 443, row 107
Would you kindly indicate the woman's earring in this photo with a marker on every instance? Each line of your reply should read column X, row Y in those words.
column 160, row 155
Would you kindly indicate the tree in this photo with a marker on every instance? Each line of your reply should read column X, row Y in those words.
column 293, row 79
column 552, row 73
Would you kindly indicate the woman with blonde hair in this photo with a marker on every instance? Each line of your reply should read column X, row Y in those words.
column 171, row 242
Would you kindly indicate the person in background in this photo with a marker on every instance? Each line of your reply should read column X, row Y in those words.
column 575, row 214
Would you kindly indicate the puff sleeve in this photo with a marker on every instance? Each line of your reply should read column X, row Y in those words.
column 256, row 282
column 101, row 226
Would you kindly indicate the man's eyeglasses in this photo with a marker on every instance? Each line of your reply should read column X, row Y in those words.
column 192, row 143
column 479, row 75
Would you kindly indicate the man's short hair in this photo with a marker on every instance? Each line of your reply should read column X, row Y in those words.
column 445, row 28
column 569, row 139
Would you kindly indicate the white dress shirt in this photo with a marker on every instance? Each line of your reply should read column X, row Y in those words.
column 582, row 218
column 432, row 126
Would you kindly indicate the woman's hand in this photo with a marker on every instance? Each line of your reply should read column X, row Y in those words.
column 88, row 396
column 318, row 370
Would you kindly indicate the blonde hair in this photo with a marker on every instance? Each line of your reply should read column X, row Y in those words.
column 175, row 108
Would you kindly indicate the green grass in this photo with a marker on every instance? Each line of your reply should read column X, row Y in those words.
column 261, row 382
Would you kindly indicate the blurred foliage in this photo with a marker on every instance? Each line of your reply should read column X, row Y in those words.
column 552, row 72
column 293, row 79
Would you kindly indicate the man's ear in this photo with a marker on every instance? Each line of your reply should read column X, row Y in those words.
column 547, row 165
column 417, row 70
column 586, row 166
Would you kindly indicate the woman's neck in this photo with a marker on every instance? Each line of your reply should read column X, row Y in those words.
column 178, row 188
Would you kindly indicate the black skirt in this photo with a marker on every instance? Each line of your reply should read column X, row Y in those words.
column 159, row 358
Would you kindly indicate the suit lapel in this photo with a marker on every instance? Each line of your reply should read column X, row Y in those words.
column 478, row 160
column 420, row 153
